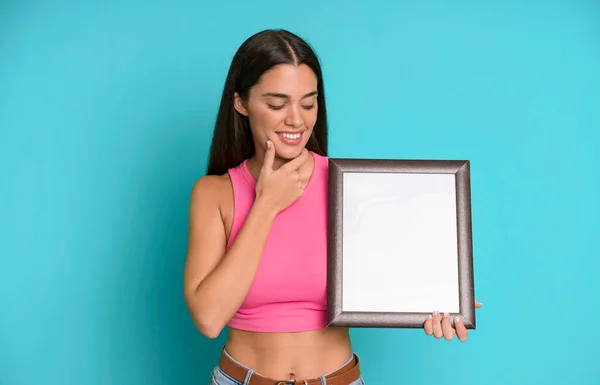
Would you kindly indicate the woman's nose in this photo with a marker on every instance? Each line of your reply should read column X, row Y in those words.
column 294, row 118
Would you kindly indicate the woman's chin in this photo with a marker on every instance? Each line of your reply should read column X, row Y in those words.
column 289, row 152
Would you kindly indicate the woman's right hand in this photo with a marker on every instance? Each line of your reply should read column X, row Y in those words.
column 278, row 189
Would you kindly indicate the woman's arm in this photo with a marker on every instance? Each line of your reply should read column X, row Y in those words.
column 216, row 281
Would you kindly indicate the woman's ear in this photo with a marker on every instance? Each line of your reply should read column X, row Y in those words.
column 239, row 104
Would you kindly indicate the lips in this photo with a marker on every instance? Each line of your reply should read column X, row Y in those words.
column 290, row 138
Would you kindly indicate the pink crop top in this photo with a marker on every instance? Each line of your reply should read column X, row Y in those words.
column 289, row 292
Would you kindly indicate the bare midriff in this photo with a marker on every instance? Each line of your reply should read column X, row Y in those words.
column 291, row 356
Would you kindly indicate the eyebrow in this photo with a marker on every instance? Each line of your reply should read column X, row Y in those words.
column 279, row 95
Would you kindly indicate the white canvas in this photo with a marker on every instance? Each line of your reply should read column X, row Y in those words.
column 399, row 243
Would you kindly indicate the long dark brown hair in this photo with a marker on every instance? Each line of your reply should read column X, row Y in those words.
column 232, row 140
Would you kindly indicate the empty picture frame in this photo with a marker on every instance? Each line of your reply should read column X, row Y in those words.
column 399, row 242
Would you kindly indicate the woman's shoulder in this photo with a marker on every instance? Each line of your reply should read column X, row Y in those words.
column 211, row 188
column 322, row 162
column 212, row 181
column 322, row 158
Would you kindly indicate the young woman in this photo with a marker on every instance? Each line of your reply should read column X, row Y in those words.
column 258, row 232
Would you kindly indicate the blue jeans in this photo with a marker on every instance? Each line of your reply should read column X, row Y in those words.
column 219, row 377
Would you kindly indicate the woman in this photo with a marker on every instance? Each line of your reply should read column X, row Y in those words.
column 257, row 244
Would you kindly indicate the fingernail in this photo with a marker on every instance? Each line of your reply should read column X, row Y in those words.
column 435, row 313
column 429, row 316
column 446, row 315
column 457, row 320
column 268, row 144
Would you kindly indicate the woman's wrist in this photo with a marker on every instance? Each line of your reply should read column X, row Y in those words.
column 264, row 209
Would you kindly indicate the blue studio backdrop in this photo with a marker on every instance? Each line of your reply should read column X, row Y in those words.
column 106, row 112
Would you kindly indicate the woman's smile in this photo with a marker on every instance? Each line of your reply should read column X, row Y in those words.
column 291, row 138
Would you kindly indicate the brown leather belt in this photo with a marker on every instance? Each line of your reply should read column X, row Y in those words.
column 343, row 376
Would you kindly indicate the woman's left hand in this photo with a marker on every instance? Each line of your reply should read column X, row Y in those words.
column 439, row 326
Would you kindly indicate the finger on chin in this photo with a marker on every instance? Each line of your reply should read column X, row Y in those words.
column 269, row 157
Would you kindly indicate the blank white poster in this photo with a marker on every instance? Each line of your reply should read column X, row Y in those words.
column 400, row 249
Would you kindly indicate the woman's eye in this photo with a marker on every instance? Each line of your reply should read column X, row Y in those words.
column 283, row 105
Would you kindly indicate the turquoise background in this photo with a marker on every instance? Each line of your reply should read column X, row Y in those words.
column 106, row 111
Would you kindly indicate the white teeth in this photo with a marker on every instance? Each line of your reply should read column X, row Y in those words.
column 290, row 136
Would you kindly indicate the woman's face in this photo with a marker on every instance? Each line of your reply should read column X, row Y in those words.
column 282, row 107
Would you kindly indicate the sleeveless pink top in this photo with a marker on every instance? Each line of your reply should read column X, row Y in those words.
column 289, row 291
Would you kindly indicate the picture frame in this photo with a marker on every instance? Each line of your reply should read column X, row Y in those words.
column 399, row 242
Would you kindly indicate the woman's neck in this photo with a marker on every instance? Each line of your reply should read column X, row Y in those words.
column 256, row 161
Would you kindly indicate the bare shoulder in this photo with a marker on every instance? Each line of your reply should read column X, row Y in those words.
column 211, row 186
column 211, row 202
column 211, row 197
column 212, row 191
